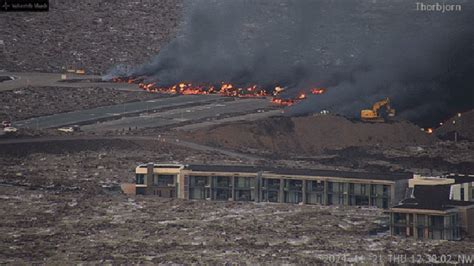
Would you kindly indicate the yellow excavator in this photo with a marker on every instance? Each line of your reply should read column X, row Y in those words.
column 375, row 114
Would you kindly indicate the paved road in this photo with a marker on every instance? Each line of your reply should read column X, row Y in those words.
column 194, row 114
column 167, row 139
column 245, row 117
column 34, row 79
column 105, row 112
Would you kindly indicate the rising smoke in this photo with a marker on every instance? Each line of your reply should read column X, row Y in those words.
column 361, row 51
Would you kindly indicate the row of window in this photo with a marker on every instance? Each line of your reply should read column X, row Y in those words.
column 453, row 233
column 288, row 197
column 427, row 226
column 290, row 184
column 158, row 180
column 359, row 189
column 436, row 221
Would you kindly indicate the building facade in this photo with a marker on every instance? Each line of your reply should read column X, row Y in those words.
column 260, row 184
column 429, row 213
column 426, row 224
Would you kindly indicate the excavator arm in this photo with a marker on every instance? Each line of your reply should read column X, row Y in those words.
column 381, row 103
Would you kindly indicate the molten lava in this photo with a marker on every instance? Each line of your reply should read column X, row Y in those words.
column 317, row 91
column 224, row 89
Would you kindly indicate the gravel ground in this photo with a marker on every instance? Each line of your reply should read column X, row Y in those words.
column 89, row 34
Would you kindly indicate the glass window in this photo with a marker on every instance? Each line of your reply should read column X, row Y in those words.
column 437, row 221
column 385, row 191
column 221, row 181
column 351, row 189
column 319, row 198
column 163, row 180
column 341, row 199
column 293, row 184
column 244, row 182
column 330, row 188
column 420, row 233
column 341, row 187
column 357, row 189
column 373, row 190
column 314, row 186
column 361, row 200
column 399, row 218
column 140, row 179
column 385, row 203
column 373, row 202
column 329, row 199
column 243, row 195
column 293, row 197
column 272, row 183
column 271, row 196
column 421, row 219
column 198, row 181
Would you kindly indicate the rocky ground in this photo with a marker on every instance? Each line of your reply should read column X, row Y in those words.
column 38, row 101
column 88, row 34
column 62, row 202
column 48, row 227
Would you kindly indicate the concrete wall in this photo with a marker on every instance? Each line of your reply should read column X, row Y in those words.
column 466, row 217
column 456, row 192
column 398, row 193
column 429, row 181
column 151, row 171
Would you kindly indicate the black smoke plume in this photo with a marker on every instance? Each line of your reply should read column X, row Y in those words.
column 360, row 50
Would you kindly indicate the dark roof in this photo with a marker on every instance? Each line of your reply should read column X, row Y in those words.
column 460, row 179
column 427, row 206
column 304, row 172
column 434, row 197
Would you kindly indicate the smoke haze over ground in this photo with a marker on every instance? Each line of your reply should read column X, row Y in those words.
column 362, row 51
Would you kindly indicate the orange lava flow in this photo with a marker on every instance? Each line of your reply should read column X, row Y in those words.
column 224, row 89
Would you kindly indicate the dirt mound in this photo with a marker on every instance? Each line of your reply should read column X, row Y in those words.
column 462, row 123
column 310, row 134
